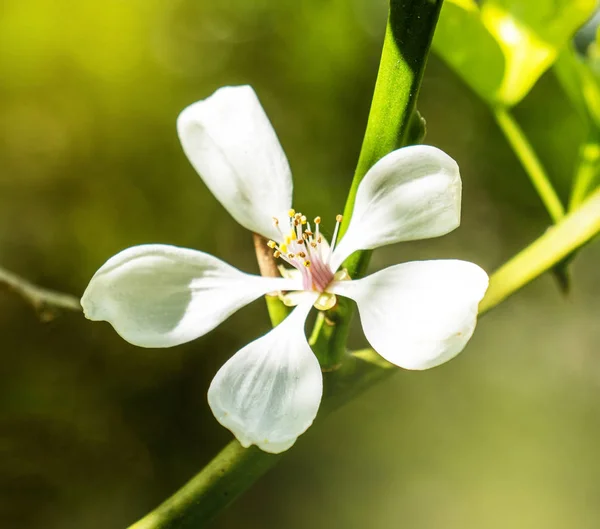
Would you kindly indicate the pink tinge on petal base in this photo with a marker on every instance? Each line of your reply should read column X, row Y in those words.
column 306, row 250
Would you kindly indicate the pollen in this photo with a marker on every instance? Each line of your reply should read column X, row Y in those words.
column 307, row 250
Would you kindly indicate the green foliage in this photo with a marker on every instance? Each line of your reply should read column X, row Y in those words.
column 502, row 47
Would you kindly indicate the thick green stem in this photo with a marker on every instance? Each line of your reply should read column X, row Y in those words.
column 210, row 491
column 530, row 162
column 393, row 122
column 408, row 35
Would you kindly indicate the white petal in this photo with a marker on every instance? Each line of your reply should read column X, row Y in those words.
column 230, row 142
column 159, row 296
column 421, row 314
column 412, row 193
column 269, row 392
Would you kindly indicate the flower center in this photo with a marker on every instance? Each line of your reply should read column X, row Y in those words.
column 306, row 250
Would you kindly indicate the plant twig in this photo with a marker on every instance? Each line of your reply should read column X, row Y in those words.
column 40, row 298
column 530, row 162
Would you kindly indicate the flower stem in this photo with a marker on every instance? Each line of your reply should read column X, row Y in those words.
column 530, row 162
column 393, row 122
column 408, row 35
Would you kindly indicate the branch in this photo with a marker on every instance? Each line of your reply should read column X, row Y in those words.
column 40, row 298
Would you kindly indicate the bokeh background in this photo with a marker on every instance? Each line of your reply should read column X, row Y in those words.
column 95, row 432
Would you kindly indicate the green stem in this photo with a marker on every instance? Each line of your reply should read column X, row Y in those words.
column 408, row 35
column 393, row 122
column 210, row 491
column 587, row 168
column 575, row 230
column 530, row 162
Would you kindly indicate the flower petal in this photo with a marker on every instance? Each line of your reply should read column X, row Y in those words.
column 269, row 392
column 412, row 193
column 159, row 296
column 421, row 314
column 230, row 142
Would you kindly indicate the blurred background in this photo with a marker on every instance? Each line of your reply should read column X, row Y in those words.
column 94, row 432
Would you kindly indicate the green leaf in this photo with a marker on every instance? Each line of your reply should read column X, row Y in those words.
column 502, row 47
column 469, row 48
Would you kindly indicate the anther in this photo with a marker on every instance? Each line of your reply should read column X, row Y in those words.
column 276, row 221
column 338, row 218
column 300, row 241
column 272, row 244
column 317, row 220
column 306, row 263
column 302, row 255
column 291, row 255
column 313, row 244
column 303, row 219
column 291, row 213
column 276, row 254
column 308, row 233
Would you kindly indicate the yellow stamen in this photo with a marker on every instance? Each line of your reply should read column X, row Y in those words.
column 317, row 220
column 271, row 244
column 276, row 254
column 306, row 263
column 283, row 248
column 291, row 212
column 338, row 218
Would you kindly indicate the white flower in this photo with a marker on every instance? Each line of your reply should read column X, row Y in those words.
column 416, row 315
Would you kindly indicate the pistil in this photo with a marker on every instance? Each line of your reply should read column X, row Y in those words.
column 306, row 250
